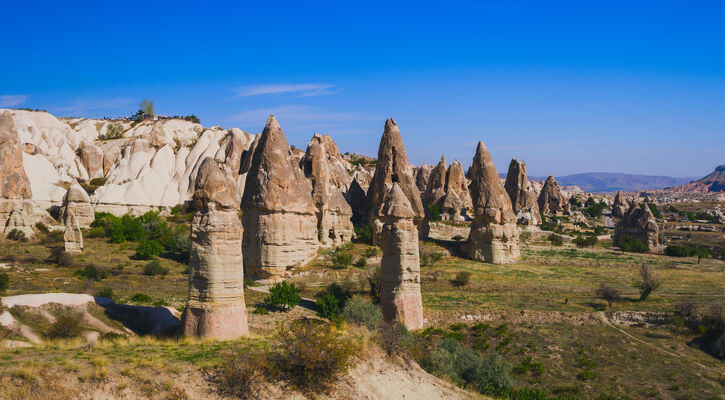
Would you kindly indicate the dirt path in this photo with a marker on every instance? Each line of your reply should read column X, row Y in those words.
column 606, row 321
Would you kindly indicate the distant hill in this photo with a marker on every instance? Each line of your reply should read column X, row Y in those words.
column 613, row 181
column 714, row 182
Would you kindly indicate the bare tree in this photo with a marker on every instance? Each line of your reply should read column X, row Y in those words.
column 647, row 282
column 609, row 294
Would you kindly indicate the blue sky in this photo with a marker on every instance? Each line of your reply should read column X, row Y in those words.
column 631, row 86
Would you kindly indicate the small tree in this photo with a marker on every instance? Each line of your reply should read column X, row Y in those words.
column 435, row 213
column 435, row 257
column 146, row 108
column 647, row 282
column 4, row 282
column 283, row 296
column 555, row 240
column 462, row 278
column 701, row 252
column 609, row 294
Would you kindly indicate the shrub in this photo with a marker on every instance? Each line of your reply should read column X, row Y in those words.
column 148, row 249
column 494, row 375
column 688, row 250
column 4, row 282
column 555, row 240
column 458, row 238
column 462, row 279
column 435, row 257
column 311, row 355
column 126, row 228
column 647, row 282
column 140, row 298
column 177, row 245
column 59, row 256
column 363, row 234
column 67, row 325
column 341, row 292
column 17, row 235
column 341, row 259
column 154, row 267
column 525, row 236
column 585, row 241
column 104, row 292
column 434, row 212
column 361, row 262
column 91, row 273
column 609, row 294
column 96, row 232
column 240, row 373
column 283, row 296
column 655, row 210
column 260, row 311
column 41, row 228
column 113, row 131
column 360, row 312
column 371, row 252
column 392, row 337
column 632, row 244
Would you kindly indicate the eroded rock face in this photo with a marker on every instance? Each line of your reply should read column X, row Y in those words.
column 551, row 200
column 435, row 190
column 422, row 175
column 278, row 213
column 334, row 226
column 72, row 237
column 363, row 177
column 15, row 192
column 216, row 308
column 522, row 194
column 392, row 167
column 92, row 159
column 620, row 206
column 356, row 199
column 456, row 181
column 400, row 297
column 77, row 202
column 640, row 223
column 494, row 237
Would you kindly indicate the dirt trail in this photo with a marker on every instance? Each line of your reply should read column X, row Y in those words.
column 606, row 321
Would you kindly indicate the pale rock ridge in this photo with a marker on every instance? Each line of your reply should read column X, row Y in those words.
column 216, row 308
column 400, row 297
column 494, row 237
column 522, row 194
column 77, row 202
column 640, row 223
column 278, row 212
column 422, row 175
column 551, row 200
column 91, row 157
column 16, row 211
column 334, row 226
column 620, row 206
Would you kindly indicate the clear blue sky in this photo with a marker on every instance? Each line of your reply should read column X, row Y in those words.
column 631, row 86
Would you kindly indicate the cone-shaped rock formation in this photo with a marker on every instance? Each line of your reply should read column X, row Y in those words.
column 15, row 193
column 637, row 223
column 619, row 207
column 456, row 181
column 522, row 194
column 551, row 200
column 77, row 202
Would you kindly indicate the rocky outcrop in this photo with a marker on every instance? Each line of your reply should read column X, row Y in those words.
column 494, row 237
column 77, row 202
column 355, row 197
column 215, row 308
column 334, row 225
column 456, row 182
column 522, row 194
column 363, row 177
column 72, row 237
column 92, row 159
column 620, row 206
column 400, row 297
column 436, row 187
column 15, row 190
column 422, row 175
column 278, row 213
column 551, row 200
column 392, row 167
column 639, row 223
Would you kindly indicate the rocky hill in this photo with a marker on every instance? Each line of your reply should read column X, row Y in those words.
column 614, row 181
column 714, row 182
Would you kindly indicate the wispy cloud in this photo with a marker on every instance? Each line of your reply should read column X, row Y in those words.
column 300, row 89
column 12, row 100
column 82, row 106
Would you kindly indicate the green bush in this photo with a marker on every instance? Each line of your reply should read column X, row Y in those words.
column 42, row 228
column 360, row 312
column 632, row 244
column 392, row 337
column 688, row 250
column 260, row 311
column 154, row 267
column 67, row 325
column 92, row 273
column 647, row 283
column 113, row 131
column 341, row 259
column 4, row 282
column 283, row 296
column 361, row 262
column 140, row 298
column 104, row 292
column 126, row 229
column 555, row 240
column 17, row 235
column 363, row 234
column 374, row 281
column 328, row 307
column 434, row 212
column 239, row 374
column 148, row 249
column 655, row 210
column 462, row 279
column 96, row 232
column 310, row 356
column 585, row 241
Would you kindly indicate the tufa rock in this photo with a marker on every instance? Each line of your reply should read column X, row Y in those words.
column 92, row 159
column 422, row 175
column 16, row 211
column 620, row 206
column 456, row 181
column 356, row 199
column 72, row 237
column 494, row 237
column 522, row 194
column 400, row 296
column 551, row 200
column 215, row 308
column 435, row 190
column 278, row 213
column 77, row 202
column 334, row 226
column 638, row 222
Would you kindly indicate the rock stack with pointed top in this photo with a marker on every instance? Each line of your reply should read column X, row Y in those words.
column 457, row 188
column 16, row 211
column 400, row 266
column 422, row 175
column 278, row 213
column 619, row 207
column 522, row 194
column 334, row 226
column 435, row 189
column 72, row 237
column 494, row 237
column 392, row 167
column 638, row 223
column 216, row 308
column 77, row 202
column 551, row 200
